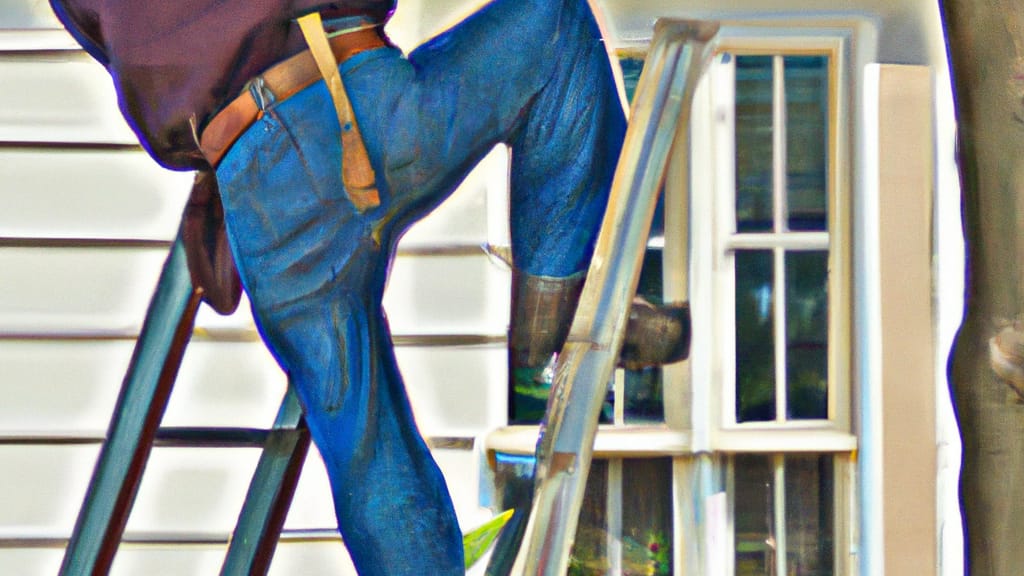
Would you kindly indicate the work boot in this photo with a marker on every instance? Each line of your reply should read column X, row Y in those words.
column 655, row 335
column 542, row 312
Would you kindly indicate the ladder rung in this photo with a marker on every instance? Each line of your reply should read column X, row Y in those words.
column 295, row 536
column 197, row 436
column 172, row 436
column 211, row 437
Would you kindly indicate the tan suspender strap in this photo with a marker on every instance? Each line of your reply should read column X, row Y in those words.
column 356, row 172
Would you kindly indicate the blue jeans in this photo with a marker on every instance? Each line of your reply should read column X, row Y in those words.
column 530, row 73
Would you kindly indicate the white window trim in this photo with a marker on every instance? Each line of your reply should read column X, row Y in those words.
column 713, row 409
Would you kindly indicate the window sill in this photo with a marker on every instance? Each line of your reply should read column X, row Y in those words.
column 612, row 442
column 660, row 441
column 768, row 438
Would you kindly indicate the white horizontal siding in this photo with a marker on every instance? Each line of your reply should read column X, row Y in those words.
column 167, row 560
column 48, row 290
column 31, row 560
column 76, row 290
column 42, row 488
column 89, row 194
column 27, row 14
column 456, row 391
column 193, row 490
column 308, row 559
column 319, row 559
column 447, row 295
column 60, row 387
column 62, row 97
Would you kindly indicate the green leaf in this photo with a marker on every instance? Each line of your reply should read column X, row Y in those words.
column 479, row 540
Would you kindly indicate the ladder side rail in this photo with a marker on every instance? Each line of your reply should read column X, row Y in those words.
column 136, row 417
column 680, row 52
column 266, row 505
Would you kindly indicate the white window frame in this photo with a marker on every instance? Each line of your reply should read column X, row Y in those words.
column 716, row 242
column 710, row 381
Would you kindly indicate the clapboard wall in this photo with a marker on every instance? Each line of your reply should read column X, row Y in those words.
column 85, row 224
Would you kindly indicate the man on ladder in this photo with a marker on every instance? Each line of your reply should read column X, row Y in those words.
column 318, row 181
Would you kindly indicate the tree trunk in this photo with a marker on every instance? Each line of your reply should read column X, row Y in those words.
column 986, row 42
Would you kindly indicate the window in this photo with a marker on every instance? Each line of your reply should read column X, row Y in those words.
column 780, row 243
column 775, row 256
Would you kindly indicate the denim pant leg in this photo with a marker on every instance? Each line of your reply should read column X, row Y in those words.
column 315, row 278
column 533, row 74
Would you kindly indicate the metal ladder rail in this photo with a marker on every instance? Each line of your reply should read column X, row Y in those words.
column 266, row 505
column 659, row 119
column 134, row 429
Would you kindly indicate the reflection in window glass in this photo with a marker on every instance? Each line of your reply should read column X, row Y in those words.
column 513, row 480
column 590, row 550
column 755, row 339
column 799, row 88
column 754, row 520
column 807, row 334
column 754, row 143
column 806, row 505
column 644, row 544
column 807, row 101
column 643, row 526
column 810, row 490
column 644, row 400
column 513, row 486
column 632, row 65
column 647, row 516
column 644, row 396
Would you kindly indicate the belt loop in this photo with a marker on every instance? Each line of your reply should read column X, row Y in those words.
column 260, row 93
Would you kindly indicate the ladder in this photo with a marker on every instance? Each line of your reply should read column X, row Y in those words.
column 135, row 428
column 658, row 125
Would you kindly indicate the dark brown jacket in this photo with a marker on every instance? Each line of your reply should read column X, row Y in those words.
column 176, row 62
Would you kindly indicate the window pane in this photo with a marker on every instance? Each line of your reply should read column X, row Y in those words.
column 513, row 486
column 590, row 550
column 807, row 102
column 513, row 480
column 632, row 66
column 644, row 396
column 755, row 340
column 754, row 143
column 807, row 503
column 807, row 334
column 809, row 515
column 644, row 399
column 754, row 521
column 647, row 516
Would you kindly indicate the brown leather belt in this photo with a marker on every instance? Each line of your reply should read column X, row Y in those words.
column 283, row 79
